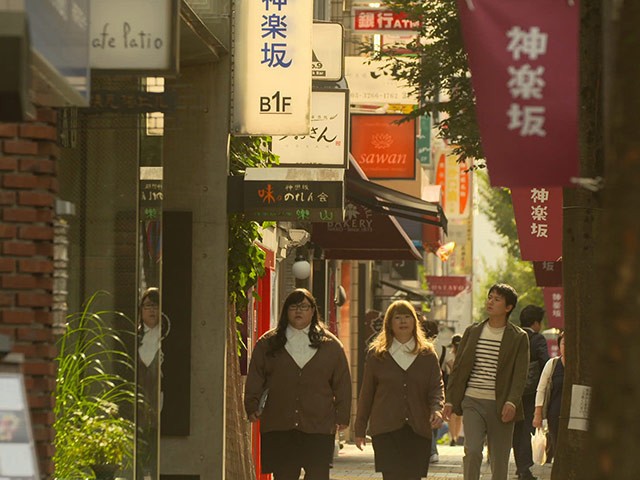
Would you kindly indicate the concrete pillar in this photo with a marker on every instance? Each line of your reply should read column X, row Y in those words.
column 195, row 180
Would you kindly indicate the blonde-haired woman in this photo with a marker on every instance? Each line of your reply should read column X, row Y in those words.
column 401, row 396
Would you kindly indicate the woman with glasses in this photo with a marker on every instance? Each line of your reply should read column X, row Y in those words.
column 299, row 387
column 401, row 397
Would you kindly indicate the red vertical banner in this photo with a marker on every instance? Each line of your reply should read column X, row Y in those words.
column 554, row 306
column 464, row 188
column 524, row 68
column 538, row 213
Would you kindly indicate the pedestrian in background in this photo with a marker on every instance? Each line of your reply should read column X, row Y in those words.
column 455, row 421
column 299, row 387
column 549, row 397
column 531, row 322
column 431, row 330
column 401, row 396
column 487, row 382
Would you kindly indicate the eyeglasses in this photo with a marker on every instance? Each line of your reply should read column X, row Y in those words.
column 300, row 306
column 150, row 306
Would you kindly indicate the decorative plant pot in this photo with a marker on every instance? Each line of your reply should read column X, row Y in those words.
column 106, row 471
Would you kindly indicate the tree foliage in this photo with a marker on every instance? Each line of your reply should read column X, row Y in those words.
column 245, row 258
column 438, row 71
column 496, row 204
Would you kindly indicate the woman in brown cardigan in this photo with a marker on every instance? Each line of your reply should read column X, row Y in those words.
column 299, row 387
column 401, row 396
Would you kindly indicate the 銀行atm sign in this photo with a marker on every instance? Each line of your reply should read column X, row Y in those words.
column 377, row 20
column 272, row 67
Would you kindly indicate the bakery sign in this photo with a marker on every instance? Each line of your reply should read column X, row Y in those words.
column 383, row 147
column 294, row 194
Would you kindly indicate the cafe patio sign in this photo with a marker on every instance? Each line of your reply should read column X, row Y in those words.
column 271, row 61
column 134, row 37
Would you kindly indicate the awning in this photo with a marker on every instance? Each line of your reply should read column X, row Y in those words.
column 370, row 230
column 412, row 292
column 364, row 235
column 389, row 201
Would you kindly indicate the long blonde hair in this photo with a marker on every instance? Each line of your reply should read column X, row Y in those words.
column 383, row 341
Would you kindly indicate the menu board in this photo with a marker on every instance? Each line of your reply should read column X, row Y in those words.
column 17, row 452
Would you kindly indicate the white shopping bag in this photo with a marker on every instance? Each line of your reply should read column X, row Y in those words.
column 539, row 447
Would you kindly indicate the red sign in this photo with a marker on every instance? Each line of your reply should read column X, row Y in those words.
column 554, row 306
column 447, row 286
column 548, row 274
column 382, row 148
column 376, row 20
column 524, row 63
column 538, row 213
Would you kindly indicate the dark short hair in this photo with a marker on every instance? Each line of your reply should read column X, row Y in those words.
column 560, row 337
column 455, row 340
column 530, row 315
column 430, row 328
column 508, row 292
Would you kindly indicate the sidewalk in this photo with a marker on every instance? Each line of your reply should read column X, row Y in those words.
column 352, row 464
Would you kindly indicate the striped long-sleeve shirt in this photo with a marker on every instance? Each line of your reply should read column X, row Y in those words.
column 482, row 382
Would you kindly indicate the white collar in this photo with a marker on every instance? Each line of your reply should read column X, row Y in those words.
column 408, row 347
column 292, row 332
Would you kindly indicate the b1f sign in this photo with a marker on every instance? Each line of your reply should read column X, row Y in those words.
column 272, row 67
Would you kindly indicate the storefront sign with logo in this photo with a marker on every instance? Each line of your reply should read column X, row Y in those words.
column 368, row 84
column 378, row 20
column 271, row 87
column 527, row 89
column 548, row 274
column 326, row 144
column 423, row 140
column 328, row 52
column 554, row 306
column 294, row 194
column 135, row 37
column 131, row 101
column 383, row 148
column 538, row 213
column 448, row 286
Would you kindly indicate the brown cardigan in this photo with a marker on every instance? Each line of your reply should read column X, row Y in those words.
column 391, row 397
column 312, row 399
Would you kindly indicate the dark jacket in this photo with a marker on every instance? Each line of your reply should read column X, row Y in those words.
column 391, row 397
column 538, row 357
column 513, row 362
column 312, row 399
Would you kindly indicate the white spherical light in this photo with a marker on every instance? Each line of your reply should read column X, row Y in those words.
column 301, row 268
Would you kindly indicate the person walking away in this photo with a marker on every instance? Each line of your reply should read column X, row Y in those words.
column 455, row 422
column 486, row 384
column 401, row 397
column 299, row 387
column 531, row 322
column 431, row 330
column 549, row 397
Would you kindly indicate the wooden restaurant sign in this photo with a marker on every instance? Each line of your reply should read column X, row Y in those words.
column 294, row 194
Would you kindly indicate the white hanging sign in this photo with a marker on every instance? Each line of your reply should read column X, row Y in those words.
column 272, row 67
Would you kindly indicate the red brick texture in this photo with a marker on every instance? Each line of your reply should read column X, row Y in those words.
column 28, row 187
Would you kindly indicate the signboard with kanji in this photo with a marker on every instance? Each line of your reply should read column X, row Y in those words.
column 526, row 89
column 290, row 194
column 538, row 213
column 554, row 306
column 326, row 144
column 548, row 274
column 379, row 20
column 271, row 89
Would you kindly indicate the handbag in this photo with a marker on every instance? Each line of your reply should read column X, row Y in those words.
column 539, row 447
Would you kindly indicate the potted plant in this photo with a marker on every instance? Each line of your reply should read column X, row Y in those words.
column 93, row 383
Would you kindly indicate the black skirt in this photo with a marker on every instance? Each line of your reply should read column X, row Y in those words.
column 293, row 448
column 403, row 452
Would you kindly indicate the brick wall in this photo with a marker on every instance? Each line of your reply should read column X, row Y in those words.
column 28, row 188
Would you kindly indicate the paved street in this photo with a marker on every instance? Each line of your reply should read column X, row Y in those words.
column 352, row 464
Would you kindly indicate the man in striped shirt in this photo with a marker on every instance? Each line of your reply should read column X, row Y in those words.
column 487, row 382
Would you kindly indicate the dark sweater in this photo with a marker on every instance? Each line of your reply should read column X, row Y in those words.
column 391, row 397
column 312, row 399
